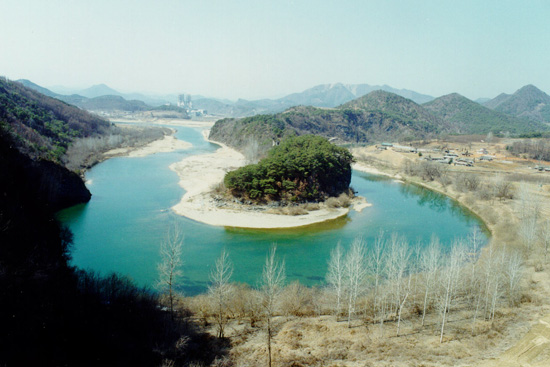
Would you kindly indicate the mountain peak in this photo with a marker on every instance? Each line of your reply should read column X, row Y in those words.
column 99, row 90
column 531, row 91
column 472, row 118
column 377, row 99
column 528, row 101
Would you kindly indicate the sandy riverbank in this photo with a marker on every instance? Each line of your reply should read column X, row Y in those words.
column 168, row 144
column 204, row 123
column 200, row 174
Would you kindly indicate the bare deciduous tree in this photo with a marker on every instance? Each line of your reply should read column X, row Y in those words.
column 273, row 277
column 449, row 278
column 171, row 262
column 220, row 288
column 252, row 151
column 502, row 188
column 397, row 266
column 529, row 213
column 544, row 234
column 429, row 264
column 376, row 262
column 335, row 276
column 513, row 269
column 355, row 273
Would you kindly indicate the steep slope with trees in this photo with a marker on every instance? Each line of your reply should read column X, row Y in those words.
column 38, row 131
column 43, row 127
column 375, row 117
column 52, row 314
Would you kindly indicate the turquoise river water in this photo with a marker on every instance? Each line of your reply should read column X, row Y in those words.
column 121, row 228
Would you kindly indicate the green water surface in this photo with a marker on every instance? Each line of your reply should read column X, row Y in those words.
column 121, row 228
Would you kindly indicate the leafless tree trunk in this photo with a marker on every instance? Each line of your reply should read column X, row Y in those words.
column 377, row 269
column 171, row 262
column 498, row 280
column 430, row 261
column 414, row 268
column 273, row 277
column 400, row 255
column 406, row 292
column 355, row 273
column 220, row 288
column 475, row 291
column 529, row 212
column 396, row 265
column 335, row 276
column 545, row 238
column 514, row 271
column 450, row 275
column 252, row 151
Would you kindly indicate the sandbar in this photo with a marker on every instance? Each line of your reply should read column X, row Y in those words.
column 200, row 174
column 168, row 144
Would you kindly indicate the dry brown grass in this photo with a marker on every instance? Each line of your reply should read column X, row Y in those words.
column 296, row 210
column 306, row 334
column 310, row 207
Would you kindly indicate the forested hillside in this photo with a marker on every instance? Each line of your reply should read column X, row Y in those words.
column 470, row 117
column 43, row 127
column 52, row 314
column 375, row 117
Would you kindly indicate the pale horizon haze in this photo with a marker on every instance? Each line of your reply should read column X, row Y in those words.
column 268, row 49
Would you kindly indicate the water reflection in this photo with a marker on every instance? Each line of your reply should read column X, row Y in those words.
column 433, row 199
column 331, row 225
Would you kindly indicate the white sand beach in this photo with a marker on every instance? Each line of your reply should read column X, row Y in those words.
column 200, row 174
column 168, row 144
column 369, row 169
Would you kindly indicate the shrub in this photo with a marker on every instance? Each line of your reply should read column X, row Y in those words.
column 296, row 210
column 332, row 202
column 311, row 207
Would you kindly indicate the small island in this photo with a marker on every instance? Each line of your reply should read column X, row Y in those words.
column 302, row 169
column 302, row 181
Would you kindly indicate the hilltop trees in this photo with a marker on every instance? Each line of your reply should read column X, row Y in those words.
column 304, row 168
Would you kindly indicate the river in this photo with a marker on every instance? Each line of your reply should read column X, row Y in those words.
column 121, row 228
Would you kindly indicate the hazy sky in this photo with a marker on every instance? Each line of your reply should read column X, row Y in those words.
column 255, row 48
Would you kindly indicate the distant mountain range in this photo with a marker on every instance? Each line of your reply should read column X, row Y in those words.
column 96, row 98
column 375, row 117
column 100, row 90
column 324, row 95
column 527, row 110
